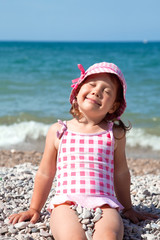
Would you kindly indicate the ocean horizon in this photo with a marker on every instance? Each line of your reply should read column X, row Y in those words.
column 35, row 79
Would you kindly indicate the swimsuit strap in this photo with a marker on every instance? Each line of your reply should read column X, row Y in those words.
column 63, row 129
column 110, row 125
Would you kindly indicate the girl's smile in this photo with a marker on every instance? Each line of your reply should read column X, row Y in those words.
column 93, row 101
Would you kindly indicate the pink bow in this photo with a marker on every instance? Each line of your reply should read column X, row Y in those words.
column 78, row 80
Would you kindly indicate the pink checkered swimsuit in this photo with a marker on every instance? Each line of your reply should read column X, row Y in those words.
column 85, row 168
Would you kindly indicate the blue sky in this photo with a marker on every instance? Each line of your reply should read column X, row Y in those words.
column 75, row 20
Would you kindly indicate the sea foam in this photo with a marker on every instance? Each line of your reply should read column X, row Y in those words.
column 18, row 133
column 138, row 137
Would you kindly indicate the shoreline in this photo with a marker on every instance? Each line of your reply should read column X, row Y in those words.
column 137, row 165
column 38, row 146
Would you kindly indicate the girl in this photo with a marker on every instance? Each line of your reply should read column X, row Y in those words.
column 88, row 153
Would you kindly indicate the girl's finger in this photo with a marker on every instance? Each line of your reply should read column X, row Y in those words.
column 15, row 219
column 144, row 216
column 35, row 218
column 134, row 219
column 12, row 217
column 23, row 218
column 151, row 216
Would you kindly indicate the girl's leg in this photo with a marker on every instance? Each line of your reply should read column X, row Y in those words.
column 64, row 224
column 110, row 226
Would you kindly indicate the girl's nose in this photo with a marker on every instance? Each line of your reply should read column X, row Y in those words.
column 96, row 92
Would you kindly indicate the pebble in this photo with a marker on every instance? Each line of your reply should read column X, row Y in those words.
column 12, row 229
column 79, row 209
column 16, row 187
column 87, row 217
column 3, row 230
column 88, row 235
column 34, row 230
column 21, row 225
column 44, row 233
column 86, row 213
column 97, row 217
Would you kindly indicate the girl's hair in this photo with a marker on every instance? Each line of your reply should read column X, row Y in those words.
column 117, row 121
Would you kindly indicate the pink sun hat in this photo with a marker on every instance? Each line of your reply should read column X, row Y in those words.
column 103, row 67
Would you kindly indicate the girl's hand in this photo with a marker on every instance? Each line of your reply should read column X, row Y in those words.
column 137, row 216
column 31, row 215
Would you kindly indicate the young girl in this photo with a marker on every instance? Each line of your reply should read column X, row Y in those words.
column 88, row 153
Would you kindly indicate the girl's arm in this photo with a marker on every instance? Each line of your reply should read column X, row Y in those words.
column 121, row 171
column 122, row 181
column 43, row 180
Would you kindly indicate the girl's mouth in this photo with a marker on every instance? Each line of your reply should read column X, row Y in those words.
column 93, row 101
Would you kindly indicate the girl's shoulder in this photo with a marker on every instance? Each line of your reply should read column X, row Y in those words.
column 55, row 127
column 53, row 133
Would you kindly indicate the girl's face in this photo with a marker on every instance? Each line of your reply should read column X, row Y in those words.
column 97, row 95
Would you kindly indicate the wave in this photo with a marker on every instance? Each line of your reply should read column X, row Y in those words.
column 19, row 133
column 139, row 137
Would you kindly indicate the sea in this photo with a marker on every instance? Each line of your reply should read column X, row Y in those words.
column 35, row 80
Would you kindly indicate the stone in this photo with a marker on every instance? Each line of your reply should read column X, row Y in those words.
column 1, row 205
column 12, row 229
column 98, row 210
column 147, row 193
column 6, row 221
column 21, row 225
column 97, row 217
column 88, row 235
column 44, row 233
column 31, row 225
column 3, row 230
column 84, row 227
column 150, row 237
column 40, row 225
column 155, row 226
column 28, row 238
column 86, row 213
column 22, row 231
column 85, row 221
column 90, row 225
column 34, row 230
column 79, row 209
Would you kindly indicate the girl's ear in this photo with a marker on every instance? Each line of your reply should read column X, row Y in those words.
column 114, row 107
column 74, row 103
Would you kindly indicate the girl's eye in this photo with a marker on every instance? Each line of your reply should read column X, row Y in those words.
column 92, row 84
column 107, row 92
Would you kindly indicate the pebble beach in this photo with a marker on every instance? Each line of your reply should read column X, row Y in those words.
column 17, row 172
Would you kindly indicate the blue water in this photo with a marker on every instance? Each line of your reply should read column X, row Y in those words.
column 35, row 79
